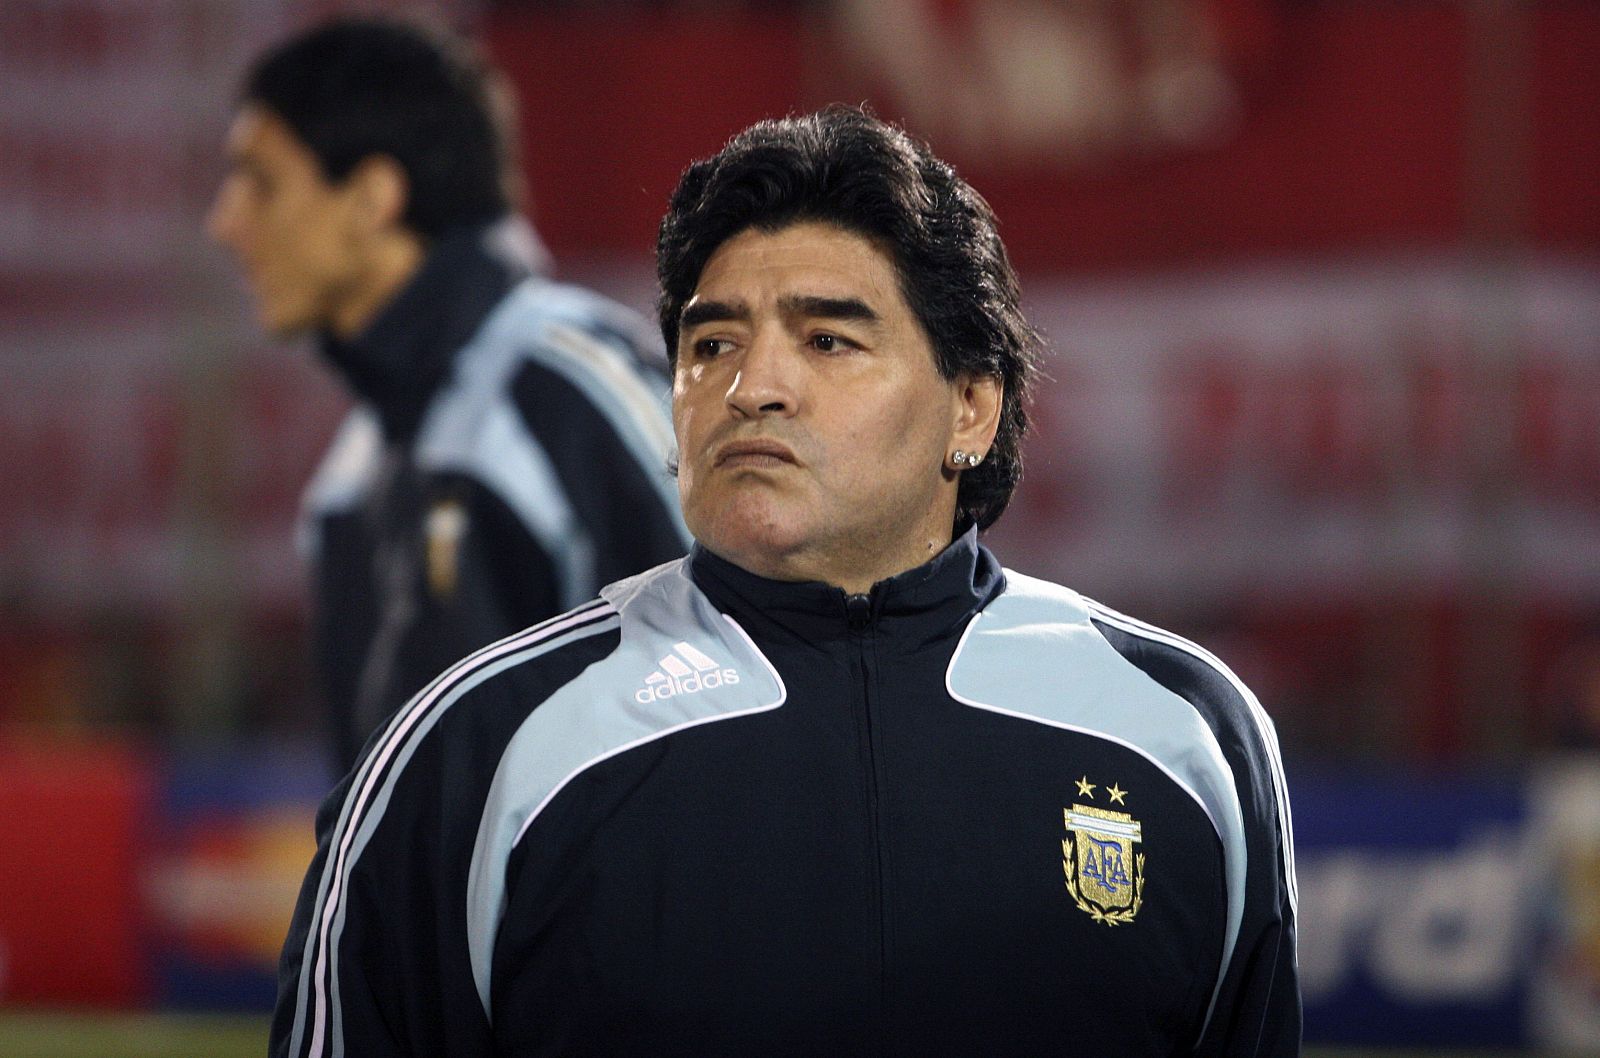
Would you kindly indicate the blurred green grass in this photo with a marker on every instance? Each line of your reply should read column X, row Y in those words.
column 52, row 1034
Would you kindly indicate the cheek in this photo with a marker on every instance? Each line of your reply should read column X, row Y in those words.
column 901, row 441
column 285, row 247
column 683, row 433
column 310, row 241
column 692, row 406
column 682, row 423
column 895, row 427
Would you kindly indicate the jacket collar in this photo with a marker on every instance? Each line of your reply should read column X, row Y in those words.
column 920, row 606
column 405, row 354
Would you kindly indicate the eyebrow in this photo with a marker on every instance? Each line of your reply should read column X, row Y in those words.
column 827, row 308
column 808, row 305
column 711, row 312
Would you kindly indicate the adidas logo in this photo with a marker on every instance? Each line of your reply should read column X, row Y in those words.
column 684, row 671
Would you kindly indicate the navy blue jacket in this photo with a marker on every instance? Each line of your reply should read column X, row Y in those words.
column 712, row 814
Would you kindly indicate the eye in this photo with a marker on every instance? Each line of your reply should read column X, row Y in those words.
column 710, row 348
column 832, row 343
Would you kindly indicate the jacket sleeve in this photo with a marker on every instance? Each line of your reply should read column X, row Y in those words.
column 368, row 967
column 1258, row 1011
column 1255, row 1010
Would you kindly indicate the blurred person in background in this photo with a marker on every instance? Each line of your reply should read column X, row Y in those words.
column 836, row 783
column 507, row 454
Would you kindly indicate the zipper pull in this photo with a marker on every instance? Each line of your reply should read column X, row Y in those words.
column 858, row 609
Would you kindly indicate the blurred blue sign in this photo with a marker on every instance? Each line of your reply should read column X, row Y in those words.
column 235, row 837
column 1422, row 906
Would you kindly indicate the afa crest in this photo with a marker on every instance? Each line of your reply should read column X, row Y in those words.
column 1104, row 874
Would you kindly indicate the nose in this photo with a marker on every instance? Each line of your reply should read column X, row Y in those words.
column 222, row 218
column 765, row 383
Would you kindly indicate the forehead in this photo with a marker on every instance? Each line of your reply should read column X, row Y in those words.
column 259, row 136
column 811, row 258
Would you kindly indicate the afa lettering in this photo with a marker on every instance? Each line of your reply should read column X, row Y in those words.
column 1103, row 862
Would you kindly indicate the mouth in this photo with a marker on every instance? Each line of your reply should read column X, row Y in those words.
column 754, row 453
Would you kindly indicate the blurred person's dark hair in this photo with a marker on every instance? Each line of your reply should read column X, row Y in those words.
column 845, row 167
column 353, row 88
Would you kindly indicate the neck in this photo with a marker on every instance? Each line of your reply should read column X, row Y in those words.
column 935, row 600
column 853, row 572
column 859, row 579
column 391, row 262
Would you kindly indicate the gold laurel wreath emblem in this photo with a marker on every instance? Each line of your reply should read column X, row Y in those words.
column 1110, row 918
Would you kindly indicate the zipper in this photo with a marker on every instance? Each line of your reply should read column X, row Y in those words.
column 858, row 610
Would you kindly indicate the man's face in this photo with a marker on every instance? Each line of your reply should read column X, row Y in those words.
column 294, row 233
column 812, row 425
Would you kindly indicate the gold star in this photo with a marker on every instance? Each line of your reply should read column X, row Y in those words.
column 1086, row 788
column 1117, row 794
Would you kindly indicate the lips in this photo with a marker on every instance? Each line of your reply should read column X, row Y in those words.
column 754, row 452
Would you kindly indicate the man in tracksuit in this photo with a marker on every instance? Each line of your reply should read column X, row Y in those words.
column 837, row 783
column 507, row 454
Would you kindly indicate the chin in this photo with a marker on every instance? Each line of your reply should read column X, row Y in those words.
column 762, row 545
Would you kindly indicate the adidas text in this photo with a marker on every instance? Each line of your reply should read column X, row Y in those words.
column 672, row 686
column 684, row 671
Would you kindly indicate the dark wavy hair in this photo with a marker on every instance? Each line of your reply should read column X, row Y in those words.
column 845, row 167
column 352, row 88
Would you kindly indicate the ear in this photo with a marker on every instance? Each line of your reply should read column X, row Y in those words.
column 978, row 399
column 379, row 193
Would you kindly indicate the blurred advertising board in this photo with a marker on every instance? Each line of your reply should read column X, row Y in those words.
column 1451, row 910
column 131, row 879
column 77, row 822
column 1420, row 902
column 1309, row 429
column 1564, row 1006
column 1143, row 133
column 221, row 880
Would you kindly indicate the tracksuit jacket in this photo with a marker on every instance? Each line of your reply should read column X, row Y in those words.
column 968, row 813
column 506, row 457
